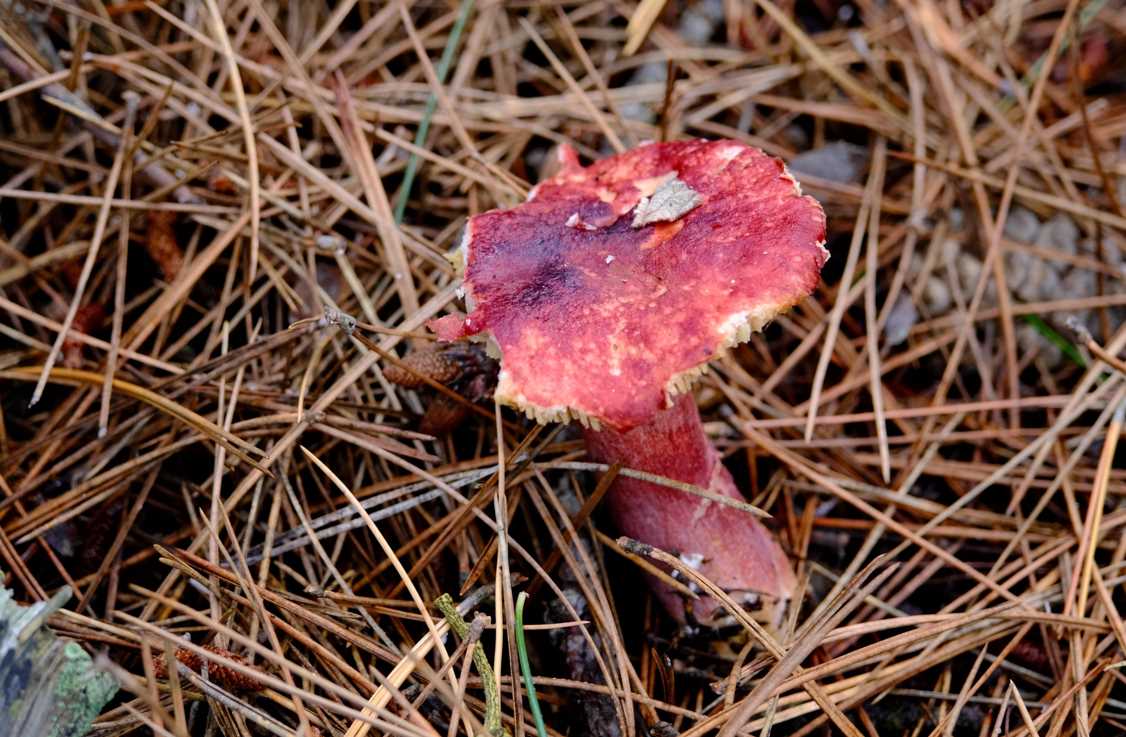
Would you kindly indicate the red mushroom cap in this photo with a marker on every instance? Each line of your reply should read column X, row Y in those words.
column 611, row 287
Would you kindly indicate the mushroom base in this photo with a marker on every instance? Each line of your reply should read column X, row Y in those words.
column 727, row 545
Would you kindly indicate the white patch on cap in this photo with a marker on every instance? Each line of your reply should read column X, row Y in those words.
column 729, row 153
column 693, row 560
column 575, row 221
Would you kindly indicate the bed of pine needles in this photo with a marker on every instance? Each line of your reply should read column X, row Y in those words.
column 222, row 230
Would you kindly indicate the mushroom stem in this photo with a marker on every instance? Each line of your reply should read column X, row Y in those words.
column 730, row 546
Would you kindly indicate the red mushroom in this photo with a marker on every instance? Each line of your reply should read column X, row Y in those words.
column 609, row 290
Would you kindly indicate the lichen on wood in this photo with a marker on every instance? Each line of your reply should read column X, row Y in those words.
column 49, row 686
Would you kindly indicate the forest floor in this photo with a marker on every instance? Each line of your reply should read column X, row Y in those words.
column 196, row 197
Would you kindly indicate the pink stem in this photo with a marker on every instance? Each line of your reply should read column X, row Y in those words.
column 732, row 548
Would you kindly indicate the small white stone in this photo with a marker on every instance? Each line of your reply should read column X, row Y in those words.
column 1060, row 233
column 901, row 319
column 956, row 218
column 936, row 296
column 838, row 161
column 1022, row 225
column 1019, row 267
column 329, row 242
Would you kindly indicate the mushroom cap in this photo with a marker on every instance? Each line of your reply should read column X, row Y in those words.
column 602, row 315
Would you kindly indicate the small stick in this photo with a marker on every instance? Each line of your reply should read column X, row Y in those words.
column 460, row 627
column 88, row 264
column 1093, row 346
column 97, row 127
column 235, row 78
column 666, row 106
column 132, row 100
column 1085, row 563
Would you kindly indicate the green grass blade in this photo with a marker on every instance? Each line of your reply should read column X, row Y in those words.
column 525, row 668
column 431, row 105
column 1066, row 346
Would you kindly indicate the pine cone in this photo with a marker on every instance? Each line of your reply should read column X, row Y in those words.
column 218, row 673
column 433, row 363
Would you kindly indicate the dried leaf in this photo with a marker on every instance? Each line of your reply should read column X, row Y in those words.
column 87, row 319
column 161, row 243
column 673, row 200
